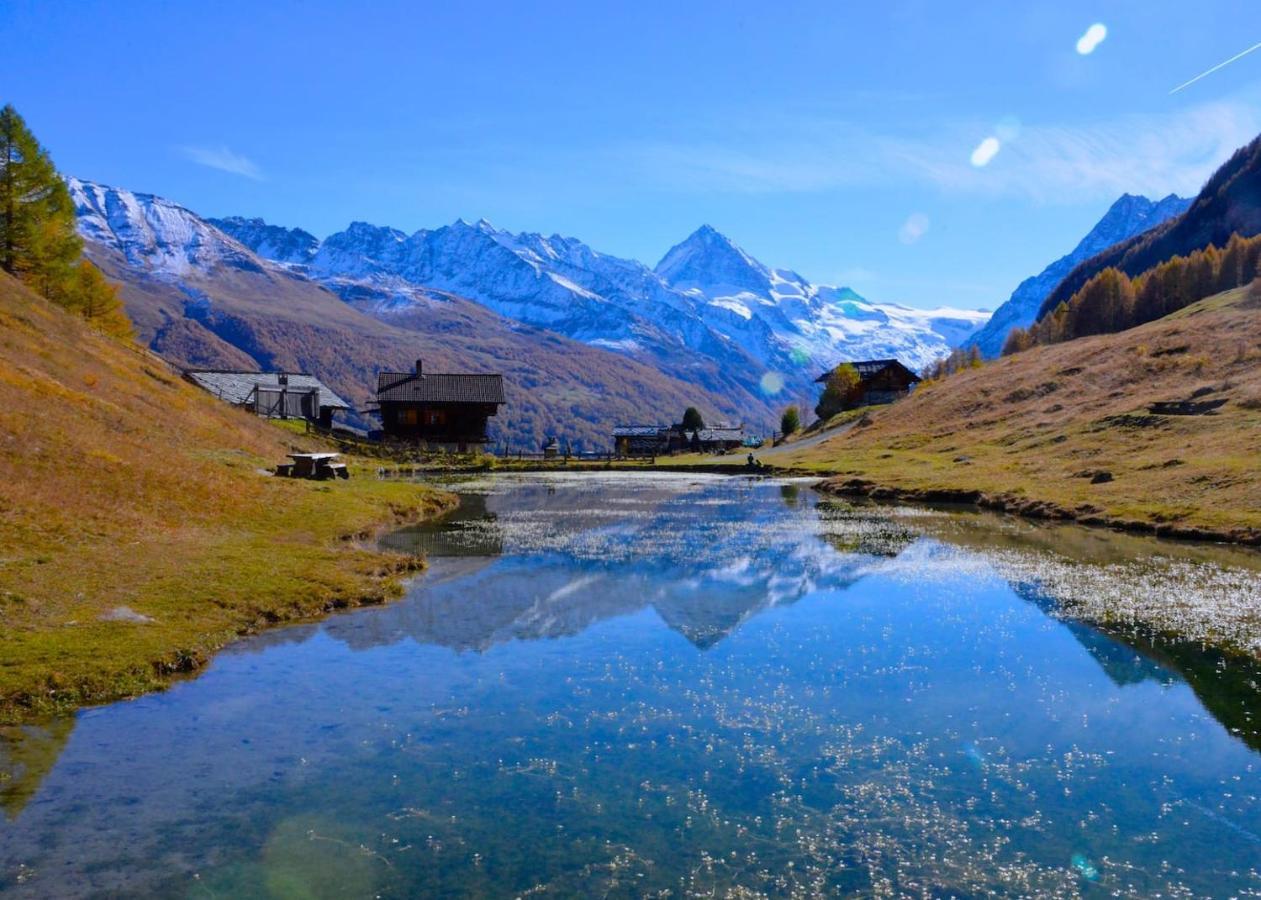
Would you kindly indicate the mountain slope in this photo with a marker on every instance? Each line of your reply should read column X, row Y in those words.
column 1229, row 202
column 1153, row 428
column 138, row 531
column 1129, row 216
column 709, row 314
column 201, row 298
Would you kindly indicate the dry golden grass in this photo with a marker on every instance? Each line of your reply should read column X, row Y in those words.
column 1037, row 432
column 122, row 486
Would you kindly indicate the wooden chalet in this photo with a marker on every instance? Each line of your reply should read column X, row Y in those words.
column 880, row 381
column 719, row 439
column 439, row 410
column 273, row 395
column 641, row 440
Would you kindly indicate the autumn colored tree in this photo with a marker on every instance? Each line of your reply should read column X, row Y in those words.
column 838, row 391
column 38, row 242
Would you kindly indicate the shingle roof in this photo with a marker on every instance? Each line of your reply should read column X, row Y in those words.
column 867, row 368
column 639, row 430
column 730, row 433
column 236, row 387
column 438, row 387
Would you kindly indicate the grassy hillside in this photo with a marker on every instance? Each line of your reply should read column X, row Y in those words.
column 1154, row 428
column 137, row 533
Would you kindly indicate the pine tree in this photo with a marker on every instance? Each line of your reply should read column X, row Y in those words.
column 38, row 242
column 790, row 421
column 94, row 298
column 1229, row 270
column 1018, row 340
column 692, row 420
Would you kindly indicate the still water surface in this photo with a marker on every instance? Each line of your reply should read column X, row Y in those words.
column 684, row 686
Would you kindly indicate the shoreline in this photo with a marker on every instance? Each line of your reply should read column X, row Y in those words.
column 306, row 581
column 1034, row 509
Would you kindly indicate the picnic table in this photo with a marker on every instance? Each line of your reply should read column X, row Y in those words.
column 321, row 466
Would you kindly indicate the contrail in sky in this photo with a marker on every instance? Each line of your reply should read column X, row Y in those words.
column 1220, row 65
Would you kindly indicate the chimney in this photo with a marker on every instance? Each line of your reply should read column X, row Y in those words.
column 419, row 368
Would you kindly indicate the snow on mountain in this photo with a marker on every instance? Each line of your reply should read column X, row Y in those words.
column 286, row 245
column 154, row 234
column 1128, row 216
column 776, row 314
column 706, row 299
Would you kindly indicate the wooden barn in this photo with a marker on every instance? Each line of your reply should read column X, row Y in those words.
column 439, row 410
column 880, row 381
column 273, row 395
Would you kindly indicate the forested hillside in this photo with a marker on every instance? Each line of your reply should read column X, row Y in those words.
column 1113, row 301
column 1229, row 203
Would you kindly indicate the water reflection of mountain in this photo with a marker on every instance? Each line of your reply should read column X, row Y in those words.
column 1120, row 661
column 550, row 596
column 706, row 558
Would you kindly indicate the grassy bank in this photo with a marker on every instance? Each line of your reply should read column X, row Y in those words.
column 1154, row 429
column 139, row 531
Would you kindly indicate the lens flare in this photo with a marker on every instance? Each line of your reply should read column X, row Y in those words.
column 1093, row 37
column 985, row 152
column 772, row 383
column 914, row 228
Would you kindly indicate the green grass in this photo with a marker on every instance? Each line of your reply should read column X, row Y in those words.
column 302, row 552
column 123, row 488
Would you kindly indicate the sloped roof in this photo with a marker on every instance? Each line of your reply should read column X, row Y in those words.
column 236, row 387
column 867, row 368
column 439, row 387
column 639, row 430
column 727, row 433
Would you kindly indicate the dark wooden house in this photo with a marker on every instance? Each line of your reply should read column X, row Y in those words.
column 640, row 440
column 273, row 395
column 880, row 381
column 440, row 410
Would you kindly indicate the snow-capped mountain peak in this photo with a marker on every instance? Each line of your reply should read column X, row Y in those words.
column 1127, row 216
column 153, row 233
column 709, row 259
column 708, row 301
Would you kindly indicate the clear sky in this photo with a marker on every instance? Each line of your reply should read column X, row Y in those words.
column 836, row 139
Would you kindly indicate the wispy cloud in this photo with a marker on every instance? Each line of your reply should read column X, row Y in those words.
column 224, row 160
column 1151, row 153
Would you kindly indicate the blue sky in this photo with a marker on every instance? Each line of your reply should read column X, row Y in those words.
column 835, row 139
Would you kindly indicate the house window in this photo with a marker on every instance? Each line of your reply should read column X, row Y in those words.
column 435, row 417
column 407, row 416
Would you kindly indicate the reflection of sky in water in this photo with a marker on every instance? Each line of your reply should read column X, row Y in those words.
column 687, row 685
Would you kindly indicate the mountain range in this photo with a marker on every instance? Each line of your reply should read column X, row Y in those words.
column 1129, row 216
column 706, row 299
column 585, row 339
column 1229, row 203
